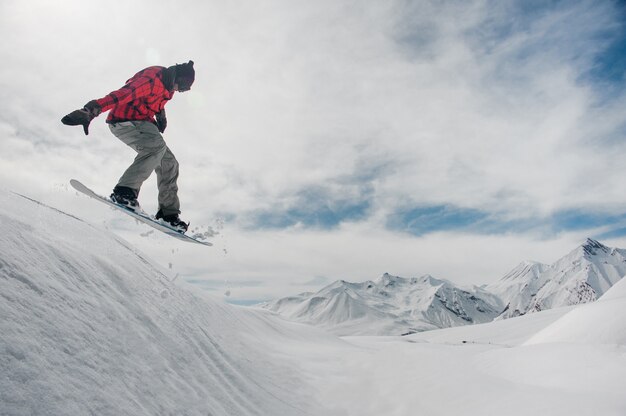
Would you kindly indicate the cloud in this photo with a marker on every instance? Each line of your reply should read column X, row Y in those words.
column 317, row 281
column 314, row 207
column 413, row 124
column 479, row 105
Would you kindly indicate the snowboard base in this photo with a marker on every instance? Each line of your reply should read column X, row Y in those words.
column 139, row 216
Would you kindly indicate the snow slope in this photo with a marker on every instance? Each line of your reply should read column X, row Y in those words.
column 507, row 333
column 391, row 305
column 601, row 322
column 88, row 325
column 485, row 369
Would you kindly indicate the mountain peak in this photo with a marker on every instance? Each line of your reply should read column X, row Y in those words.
column 389, row 280
column 524, row 270
column 591, row 247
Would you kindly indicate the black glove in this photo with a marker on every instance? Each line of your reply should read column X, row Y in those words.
column 83, row 116
column 80, row 117
column 161, row 121
column 93, row 108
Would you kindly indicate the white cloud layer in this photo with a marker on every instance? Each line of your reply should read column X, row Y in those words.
column 479, row 105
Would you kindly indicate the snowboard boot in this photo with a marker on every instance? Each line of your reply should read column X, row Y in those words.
column 173, row 220
column 123, row 195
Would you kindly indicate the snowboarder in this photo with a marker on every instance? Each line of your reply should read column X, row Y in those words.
column 137, row 118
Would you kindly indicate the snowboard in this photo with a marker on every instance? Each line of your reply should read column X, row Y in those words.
column 139, row 216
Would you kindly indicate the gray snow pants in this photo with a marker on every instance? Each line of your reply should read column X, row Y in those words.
column 152, row 155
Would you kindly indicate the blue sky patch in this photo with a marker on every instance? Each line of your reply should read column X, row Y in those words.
column 423, row 220
column 578, row 220
column 315, row 208
column 616, row 233
column 318, row 215
column 427, row 219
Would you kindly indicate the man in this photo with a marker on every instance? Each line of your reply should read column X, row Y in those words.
column 137, row 118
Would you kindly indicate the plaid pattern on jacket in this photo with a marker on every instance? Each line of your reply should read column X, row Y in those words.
column 143, row 96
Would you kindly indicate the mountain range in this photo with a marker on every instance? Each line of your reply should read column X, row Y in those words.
column 393, row 305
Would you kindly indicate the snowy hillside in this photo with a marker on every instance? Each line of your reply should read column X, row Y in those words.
column 601, row 322
column 90, row 326
column 581, row 276
column 391, row 305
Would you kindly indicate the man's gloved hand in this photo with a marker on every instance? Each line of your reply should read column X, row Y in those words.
column 83, row 116
column 161, row 121
column 93, row 108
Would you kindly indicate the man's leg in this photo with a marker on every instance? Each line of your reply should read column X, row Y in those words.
column 167, row 175
column 145, row 139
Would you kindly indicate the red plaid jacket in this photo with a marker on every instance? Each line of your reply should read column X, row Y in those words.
column 141, row 98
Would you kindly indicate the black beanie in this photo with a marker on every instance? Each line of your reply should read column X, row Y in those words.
column 185, row 75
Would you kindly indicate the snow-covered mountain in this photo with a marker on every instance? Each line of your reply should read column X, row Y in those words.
column 581, row 276
column 389, row 305
column 394, row 305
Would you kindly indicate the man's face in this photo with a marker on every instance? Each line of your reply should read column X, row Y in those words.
column 180, row 89
column 182, row 84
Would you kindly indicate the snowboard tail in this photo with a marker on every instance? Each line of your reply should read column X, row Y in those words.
column 138, row 215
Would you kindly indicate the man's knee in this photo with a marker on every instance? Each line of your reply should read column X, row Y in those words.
column 169, row 158
column 153, row 146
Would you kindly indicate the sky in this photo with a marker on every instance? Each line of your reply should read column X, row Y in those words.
column 336, row 139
